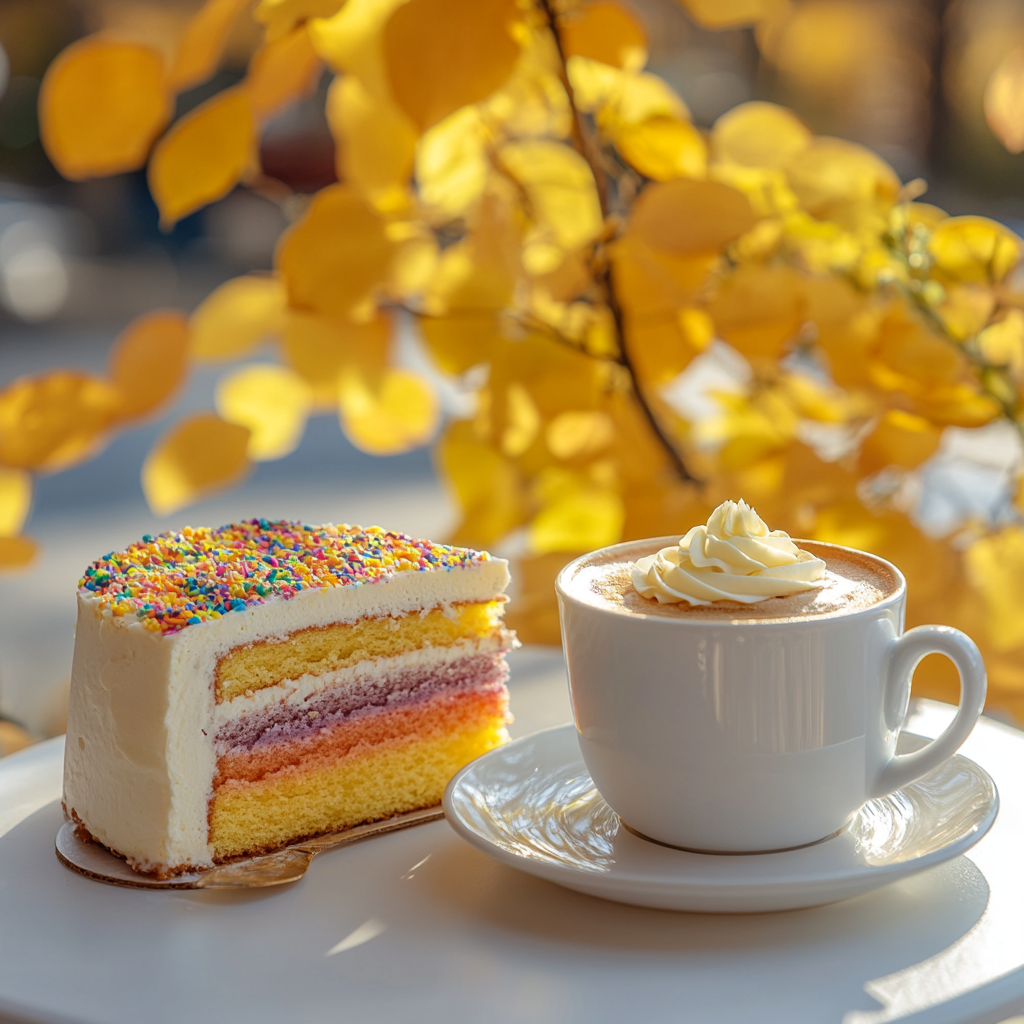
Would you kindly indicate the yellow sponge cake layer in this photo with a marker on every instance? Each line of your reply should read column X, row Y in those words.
column 370, row 781
column 328, row 648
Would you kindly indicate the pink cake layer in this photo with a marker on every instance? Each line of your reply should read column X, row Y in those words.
column 427, row 716
column 285, row 721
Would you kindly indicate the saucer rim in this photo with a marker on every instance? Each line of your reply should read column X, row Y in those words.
column 770, row 893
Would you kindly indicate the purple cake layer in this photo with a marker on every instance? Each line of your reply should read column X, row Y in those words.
column 288, row 721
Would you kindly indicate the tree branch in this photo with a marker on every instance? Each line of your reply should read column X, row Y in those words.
column 589, row 148
column 582, row 137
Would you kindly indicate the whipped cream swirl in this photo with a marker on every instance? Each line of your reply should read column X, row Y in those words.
column 735, row 557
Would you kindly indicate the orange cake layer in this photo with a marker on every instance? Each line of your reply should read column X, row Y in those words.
column 369, row 782
column 442, row 712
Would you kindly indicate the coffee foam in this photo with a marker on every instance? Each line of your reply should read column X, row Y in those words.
column 852, row 581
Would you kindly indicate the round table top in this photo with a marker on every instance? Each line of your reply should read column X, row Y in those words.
column 418, row 925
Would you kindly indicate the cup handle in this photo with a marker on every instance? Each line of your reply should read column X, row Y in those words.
column 904, row 654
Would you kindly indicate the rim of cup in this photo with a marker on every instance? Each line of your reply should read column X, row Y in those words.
column 568, row 571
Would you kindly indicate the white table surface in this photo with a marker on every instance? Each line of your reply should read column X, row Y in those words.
column 420, row 926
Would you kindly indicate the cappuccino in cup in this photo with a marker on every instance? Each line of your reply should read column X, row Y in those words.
column 736, row 691
column 852, row 581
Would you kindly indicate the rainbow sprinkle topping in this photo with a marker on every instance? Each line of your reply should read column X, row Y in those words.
column 176, row 580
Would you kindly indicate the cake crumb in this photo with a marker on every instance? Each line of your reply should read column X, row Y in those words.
column 314, row 714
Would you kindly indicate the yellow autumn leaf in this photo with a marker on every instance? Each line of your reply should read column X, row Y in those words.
column 688, row 216
column 924, row 215
column 281, row 16
column 632, row 99
column 660, row 347
column 769, row 193
column 910, row 355
column 819, row 400
column 532, row 103
column 198, row 457
column 749, row 427
column 934, row 376
column 16, row 553
column 272, row 401
column 335, row 258
column 50, row 422
column 848, row 522
column 319, row 347
column 474, row 281
column 759, row 134
column 415, row 261
column 352, row 42
column 15, row 500
column 722, row 14
column 452, row 164
column 758, row 309
column 974, row 250
column 202, row 45
column 606, row 32
column 460, row 341
column 650, row 126
column 445, row 54
column 653, row 283
column 847, row 325
column 376, row 142
column 590, row 326
column 1002, row 344
column 234, row 318
column 522, row 421
column 148, row 361
column 966, row 309
column 203, row 156
column 564, row 206
column 663, row 148
column 487, row 487
column 898, row 439
column 556, row 375
column 579, row 433
column 843, row 182
column 593, row 82
column 282, row 72
column 479, row 273
column 580, row 519
column 995, row 569
column 1004, row 101
column 697, row 326
column 385, row 417
column 101, row 105
column 956, row 405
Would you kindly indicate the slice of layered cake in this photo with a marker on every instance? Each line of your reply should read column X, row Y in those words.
column 235, row 690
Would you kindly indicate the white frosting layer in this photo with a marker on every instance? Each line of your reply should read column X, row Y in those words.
column 139, row 759
column 733, row 558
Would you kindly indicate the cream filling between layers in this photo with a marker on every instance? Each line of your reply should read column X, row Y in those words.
column 139, row 759
column 298, row 691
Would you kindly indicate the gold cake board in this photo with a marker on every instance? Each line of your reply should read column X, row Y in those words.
column 95, row 861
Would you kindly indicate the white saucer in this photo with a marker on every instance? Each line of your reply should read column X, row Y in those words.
column 532, row 805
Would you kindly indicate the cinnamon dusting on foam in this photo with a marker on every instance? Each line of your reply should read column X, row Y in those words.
column 851, row 583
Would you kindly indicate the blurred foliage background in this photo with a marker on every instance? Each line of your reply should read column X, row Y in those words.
column 615, row 262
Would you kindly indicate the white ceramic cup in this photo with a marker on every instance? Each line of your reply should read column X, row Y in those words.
column 751, row 736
